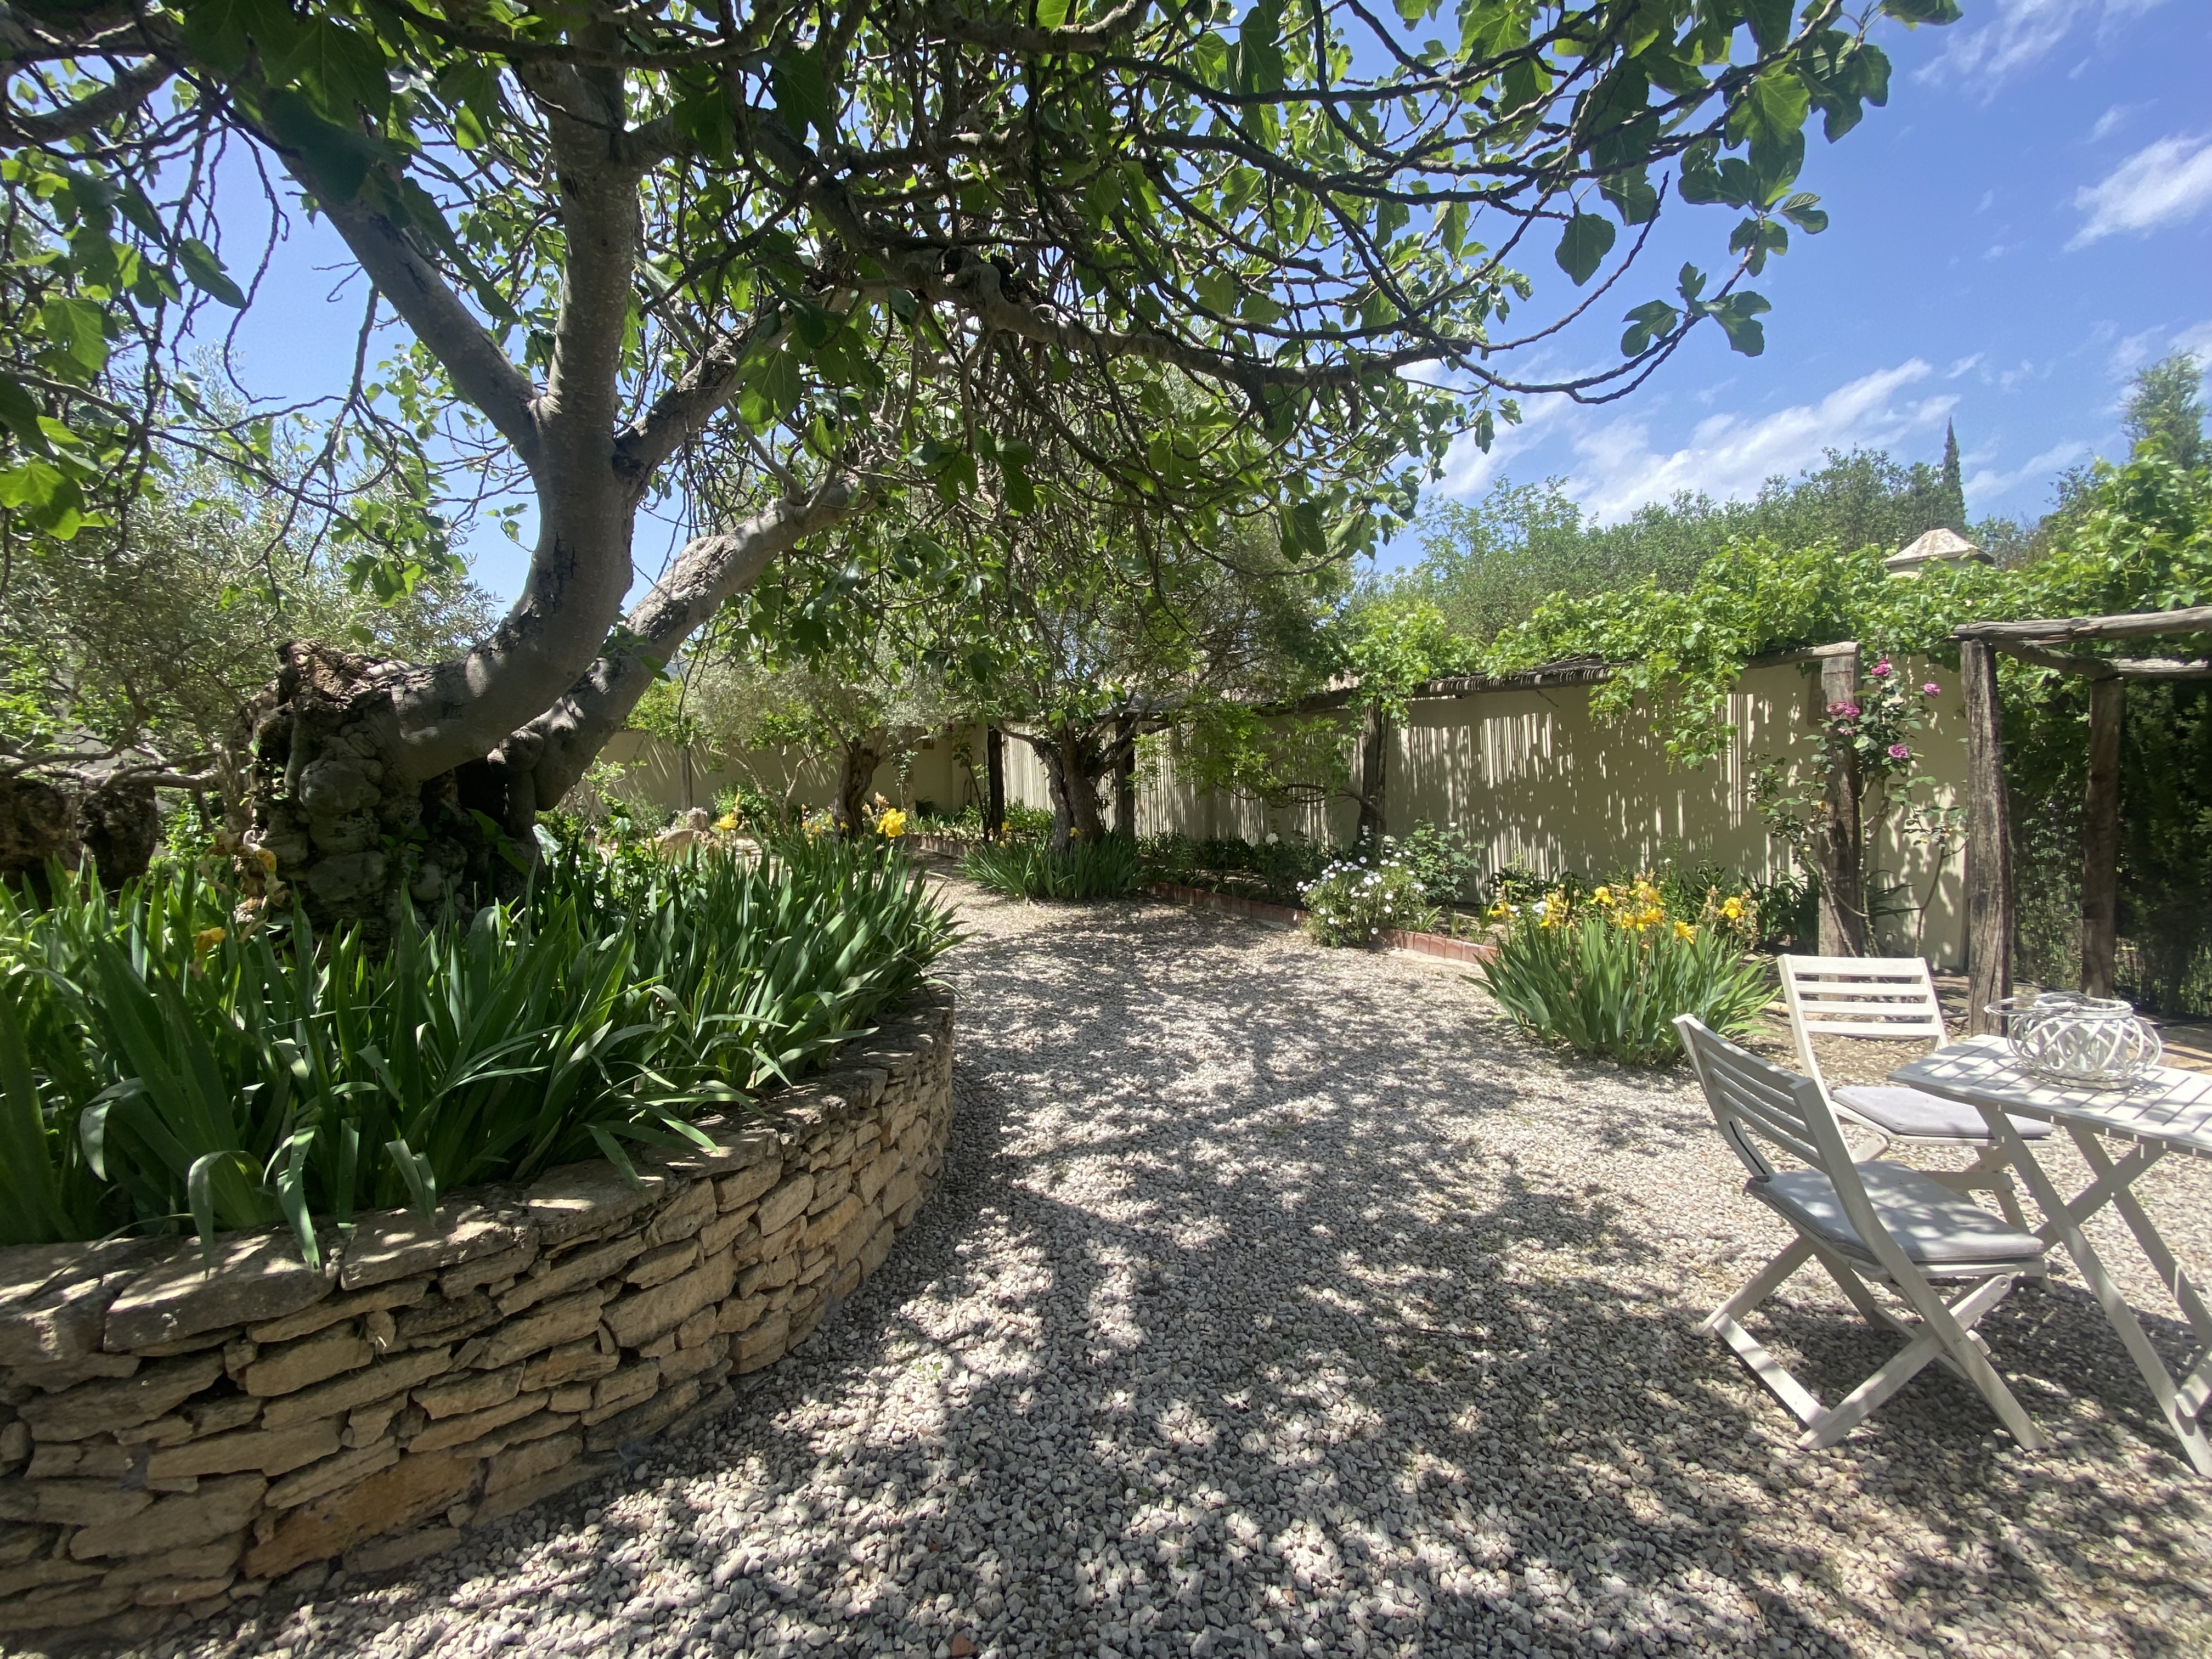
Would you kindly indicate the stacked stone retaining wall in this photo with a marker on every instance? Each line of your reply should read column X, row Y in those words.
column 174, row 1438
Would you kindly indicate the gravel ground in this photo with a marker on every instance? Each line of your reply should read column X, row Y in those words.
column 1287, row 1301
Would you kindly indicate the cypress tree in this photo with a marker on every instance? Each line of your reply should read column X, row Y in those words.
column 1954, row 488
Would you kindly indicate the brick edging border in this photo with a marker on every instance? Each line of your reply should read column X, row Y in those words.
column 1289, row 916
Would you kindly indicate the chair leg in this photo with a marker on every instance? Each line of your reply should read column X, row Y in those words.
column 1724, row 1320
column 1952, row 1325
column 1995, row 1161
column 1763, row 1284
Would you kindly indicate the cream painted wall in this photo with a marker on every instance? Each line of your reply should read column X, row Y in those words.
column 1531, row 779
column 652, row 770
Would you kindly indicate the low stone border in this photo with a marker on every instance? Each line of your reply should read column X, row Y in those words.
column 176, row 1438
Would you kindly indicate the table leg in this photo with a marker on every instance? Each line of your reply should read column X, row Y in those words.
column 2061, row 1219
column 2171, row 1272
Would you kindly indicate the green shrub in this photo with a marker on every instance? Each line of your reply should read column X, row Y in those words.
column 1025, row 869
column 1353, row 904
column 1441, row 861
column 1603, row 985
column 1279, row 866
column 159, row 1061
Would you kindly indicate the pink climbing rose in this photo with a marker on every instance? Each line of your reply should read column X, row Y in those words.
column 1930, row 690
column 1899, row 752
column 1882, row 669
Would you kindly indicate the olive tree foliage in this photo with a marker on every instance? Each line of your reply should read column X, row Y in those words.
column 139, row 643
column 869, row 699
column 1103, row 630
column 763, row 266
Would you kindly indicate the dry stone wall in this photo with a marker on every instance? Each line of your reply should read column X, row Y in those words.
column 176, row 1437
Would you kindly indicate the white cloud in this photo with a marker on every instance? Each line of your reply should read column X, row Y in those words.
column 2161, row 184
column 2021, row 34
column 1469, row 471
column 1961, row 366
column 1985, row 483
column 1616, row 468
column 2195, row 340
column 2111, row 121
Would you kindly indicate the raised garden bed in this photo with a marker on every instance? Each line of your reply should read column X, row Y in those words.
column 174, row 1437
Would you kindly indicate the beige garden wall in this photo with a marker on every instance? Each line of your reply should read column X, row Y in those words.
column 653, row 770
column 1532, row 780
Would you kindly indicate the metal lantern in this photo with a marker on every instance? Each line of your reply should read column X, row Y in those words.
column 2094, row 1042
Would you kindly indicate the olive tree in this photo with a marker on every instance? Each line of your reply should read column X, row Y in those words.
column 763, row 266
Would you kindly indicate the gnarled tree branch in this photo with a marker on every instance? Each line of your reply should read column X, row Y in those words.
column 560, row 744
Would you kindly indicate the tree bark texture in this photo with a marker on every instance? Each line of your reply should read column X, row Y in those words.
column 69, row 819
column 1125, row 779
column 368, row 775
column 1373, row 762
column 1989, row 836
column 994, row 782
column 1072, row 768
column 2100, row 838
column 1840, row 842
column 861, row 758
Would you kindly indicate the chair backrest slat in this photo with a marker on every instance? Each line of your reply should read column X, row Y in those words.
column 1887, row 999
column 1752, row 1101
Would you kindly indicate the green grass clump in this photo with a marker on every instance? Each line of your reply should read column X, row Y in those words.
column 162, row 1065
column 1087, row 869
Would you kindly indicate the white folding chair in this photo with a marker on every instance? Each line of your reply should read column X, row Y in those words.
column 1892, row 999
column 1870, row 1226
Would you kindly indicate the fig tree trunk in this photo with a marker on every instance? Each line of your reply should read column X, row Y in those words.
column 1072, row 767
column 994, row 790
column 857, row 770
column 1125, row 779
column 1373, row 761
column 375, row 783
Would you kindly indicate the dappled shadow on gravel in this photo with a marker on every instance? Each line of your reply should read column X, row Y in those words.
column 1288, row 1301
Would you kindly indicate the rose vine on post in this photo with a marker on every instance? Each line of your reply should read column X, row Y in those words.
column 1866, row 746
column 760, row 267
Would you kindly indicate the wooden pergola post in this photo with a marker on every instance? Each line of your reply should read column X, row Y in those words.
column 1842, row 847
column 1988, row 855
column 1989, row 839
column 2101, row 837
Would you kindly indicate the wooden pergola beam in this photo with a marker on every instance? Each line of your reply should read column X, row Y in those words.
column 2135, row 625
column 2105, row 668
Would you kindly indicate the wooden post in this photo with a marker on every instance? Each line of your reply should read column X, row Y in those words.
column 994, row 782
column 1842, row 845
column 1989, row 850
column 2101, row 837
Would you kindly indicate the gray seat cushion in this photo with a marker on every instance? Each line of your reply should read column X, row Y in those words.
column 1937, row 1227
column 1909, row 1112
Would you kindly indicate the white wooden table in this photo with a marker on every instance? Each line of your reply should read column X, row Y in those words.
column 2165, row 1112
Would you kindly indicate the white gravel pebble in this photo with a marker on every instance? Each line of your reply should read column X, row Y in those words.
column 1284, row 1301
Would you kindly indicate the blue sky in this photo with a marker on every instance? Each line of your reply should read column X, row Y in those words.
column 2028, row 222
